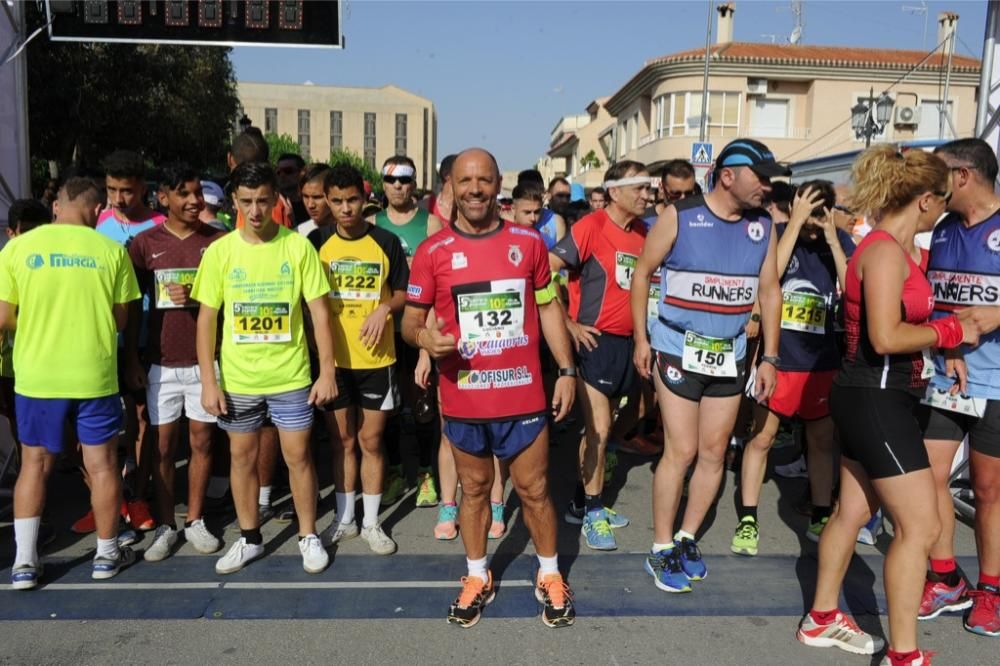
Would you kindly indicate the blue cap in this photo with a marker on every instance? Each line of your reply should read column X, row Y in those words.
column 754, row 154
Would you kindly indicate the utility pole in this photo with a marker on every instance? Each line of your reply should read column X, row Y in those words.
column 944, row 115
column 703, row 129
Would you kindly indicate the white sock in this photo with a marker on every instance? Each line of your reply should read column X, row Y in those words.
column 26, row 536
column 681, row 534
column 477, row 568
column 548, row 565
column 108, row 548
column 345, row 507
column 217, row 487
column 658, row 547
column 264, row 496
column 371, row 504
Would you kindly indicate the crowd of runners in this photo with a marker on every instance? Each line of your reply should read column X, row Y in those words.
column 664, row 319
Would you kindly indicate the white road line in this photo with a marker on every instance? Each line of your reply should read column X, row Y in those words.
column 318, row 585
column 123, row 586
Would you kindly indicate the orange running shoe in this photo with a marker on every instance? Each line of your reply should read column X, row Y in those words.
column 139, row 515
column 556, row 599
column 475, row 595
column 86, row 524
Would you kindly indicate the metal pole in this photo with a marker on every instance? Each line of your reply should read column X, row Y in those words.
column 943, row 115
column 704, row 84
column 986, row 67
column 20, row 66
column 869, row 122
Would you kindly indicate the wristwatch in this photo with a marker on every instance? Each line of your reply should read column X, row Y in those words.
column 773, row 360
column 567, row 372
column 755, row 317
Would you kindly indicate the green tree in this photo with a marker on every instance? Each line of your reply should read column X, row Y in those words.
column 351, row 158
column 591, row 160
column 278, row 145
column 171, row 103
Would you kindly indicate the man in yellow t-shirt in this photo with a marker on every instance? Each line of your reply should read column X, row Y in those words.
column 260, row 274
column 368, row 273
column 66, row 287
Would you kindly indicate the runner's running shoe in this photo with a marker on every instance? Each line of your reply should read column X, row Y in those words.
column 337, row 532
column 25, row 576
column 793, row 470
column 476, row 594
column 643, row 445
column 843, row 633
column 814, row 530
column 872, row 529
column 238, row 556
column 939, row 597
column 923, row 658
column 746, row 538
column 984, row 618
column 314, row 556
column 597, row 531
column 163, row 544
column 395, row 486
column 556, row 599
column 665, row 568
column 497, row 526
column 139, row 515
column 200, row 538
column 691, row 561
column 427, row 494
column 379, row 542
column 85, row 524
column 610, row 462
column 105, row 568
column 574, row 516
column 447, row 522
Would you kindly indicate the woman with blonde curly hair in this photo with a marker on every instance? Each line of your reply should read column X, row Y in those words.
column 887, row 305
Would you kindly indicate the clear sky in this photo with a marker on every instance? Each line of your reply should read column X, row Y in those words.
column 502, row 73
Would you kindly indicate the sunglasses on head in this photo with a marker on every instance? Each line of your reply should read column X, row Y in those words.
column 402, row 180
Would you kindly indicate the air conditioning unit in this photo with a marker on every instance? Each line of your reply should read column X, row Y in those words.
column 906, row 115
column 756, row 86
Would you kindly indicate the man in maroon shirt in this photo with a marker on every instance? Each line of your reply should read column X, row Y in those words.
column 166, row 259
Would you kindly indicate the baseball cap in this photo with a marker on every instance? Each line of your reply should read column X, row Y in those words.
column 214, row 196
column 754, row 154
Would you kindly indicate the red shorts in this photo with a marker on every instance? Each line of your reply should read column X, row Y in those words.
column 802, row 394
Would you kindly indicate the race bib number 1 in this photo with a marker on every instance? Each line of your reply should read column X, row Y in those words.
column 490, row 316
column 624, row 268
column 165, row 276
column 962, row 404
column 715, row 357
column 262, row 322
column 803, row 312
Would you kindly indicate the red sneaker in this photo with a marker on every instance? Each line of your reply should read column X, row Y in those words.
column 139, row 515
column 85, row 524
column 984, row 618
column 939, row 597
column 642, row 445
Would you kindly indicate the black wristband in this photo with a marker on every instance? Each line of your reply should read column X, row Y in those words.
column 567, row 372
column 773, row 360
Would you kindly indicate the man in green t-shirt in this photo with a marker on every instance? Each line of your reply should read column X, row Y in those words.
column 260, row 274
column 65, row 288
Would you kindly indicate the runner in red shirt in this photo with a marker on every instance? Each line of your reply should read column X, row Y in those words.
column 166, row 260
column 600, row 252
column 491, row 290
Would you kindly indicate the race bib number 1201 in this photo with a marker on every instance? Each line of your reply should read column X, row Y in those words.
column 262, row 322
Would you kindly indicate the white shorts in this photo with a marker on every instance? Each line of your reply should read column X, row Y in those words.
column 172, row 391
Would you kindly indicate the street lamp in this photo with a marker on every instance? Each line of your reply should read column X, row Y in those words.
column 868, row 120
column 245, row 123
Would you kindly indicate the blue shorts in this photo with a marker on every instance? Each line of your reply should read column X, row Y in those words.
column 42, row 421
column 503, row 439
column 289, row 411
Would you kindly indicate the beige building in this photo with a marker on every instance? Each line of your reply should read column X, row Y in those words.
column 795, row 98
column 375, row 123
column 572, row 141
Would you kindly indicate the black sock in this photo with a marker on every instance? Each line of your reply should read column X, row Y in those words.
column 578, row 498
column 951, row 579
column 592, row 502
column 748, row 512
column 252, row 536
column 820, row 512
column 649, row 425
column 188, row 523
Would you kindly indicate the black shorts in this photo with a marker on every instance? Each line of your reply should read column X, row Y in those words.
column 138, row 396
column 375, row 389
column 608, row 368
column 879, row 429
column 983, row 432
column 695, row 386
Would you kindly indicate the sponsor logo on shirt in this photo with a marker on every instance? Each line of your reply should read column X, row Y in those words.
column 286, row 268
column 59, row 260
column 674, row 375
column 993, row 241
column 522, row 231
column 459, row 260
column 157, row 255
column 414, row 291
column 793, row 265
column 755, row 231
column 701, row 222
column 441, row 243
column 952, row 288
column 489, row 347
column 514, row 255
column 237, row 274
column 497, row 379
column 35, row 261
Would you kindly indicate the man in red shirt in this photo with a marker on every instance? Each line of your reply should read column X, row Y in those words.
column 600, row 252
column 166, row 260
column 491, row 290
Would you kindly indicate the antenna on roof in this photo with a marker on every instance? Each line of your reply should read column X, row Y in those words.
column 796, row 35
column 922, row 9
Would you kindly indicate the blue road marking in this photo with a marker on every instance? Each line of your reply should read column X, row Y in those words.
column 422, row 586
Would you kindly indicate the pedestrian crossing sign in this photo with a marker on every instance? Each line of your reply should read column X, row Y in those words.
column 701, row 153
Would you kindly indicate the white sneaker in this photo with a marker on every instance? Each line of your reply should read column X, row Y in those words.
column 240, row 554
column 314, row 557
column 338, row 532
column 378, row 541
column 164, row 540
column 871, row 530
column 200, row 538
column 793, row 470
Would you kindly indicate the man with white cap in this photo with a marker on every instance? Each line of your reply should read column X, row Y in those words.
column 215, row 199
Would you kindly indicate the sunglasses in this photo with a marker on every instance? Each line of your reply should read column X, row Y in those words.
column 286, row 171
column 843, row 209
column 944, row 195
column 674, row 195
column 402, row 180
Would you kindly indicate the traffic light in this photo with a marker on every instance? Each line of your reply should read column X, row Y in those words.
column 312, row 23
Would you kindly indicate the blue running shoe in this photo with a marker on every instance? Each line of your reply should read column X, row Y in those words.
column 872, row 529
column 665, row 568
column 25, row 576
column 105, row 568
column 694, row 567
column 597, row 531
